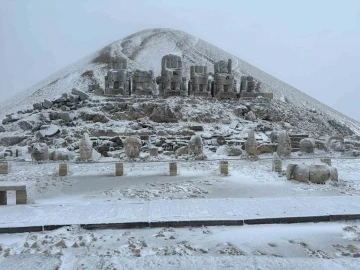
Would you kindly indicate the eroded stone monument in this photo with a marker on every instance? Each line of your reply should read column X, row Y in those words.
column 199, row 82
column 223, row 84
column 117, row 80
column 143, row 83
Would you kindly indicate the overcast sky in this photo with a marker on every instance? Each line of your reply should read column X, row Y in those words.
column 313, row 45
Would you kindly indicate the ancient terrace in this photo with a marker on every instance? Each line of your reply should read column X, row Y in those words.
column 172, row 82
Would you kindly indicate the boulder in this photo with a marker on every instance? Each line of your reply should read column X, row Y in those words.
column 47, row 104
column 60, row 154
column 163, row 115
column 162, row 133
column 132, row 147
column 39, row 151
column 233, row 151
column 195, row 145
column 319, row 173
column 221, row 140
column 37, row 106
column 65, row 116
column 301, row 172
column 11, row 140
column 250, row 144
column 307, row 145
column 284, row 144
column 10, row 119
column 73, row 98
column 117, row 141
column 85, row 148
column 82, row 95
column 2, row 128
column 265, row 148
column 184, row 150
column 206, row 136
column 49, row 130
column 25, row 125
column 64, row 108
column 241, row 110
column 250, row 116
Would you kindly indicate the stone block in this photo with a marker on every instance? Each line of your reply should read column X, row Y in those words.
column 277, row 165
column 4, row 167
column 224, row 169
column 173, row 168
column 154, row 152
column 63, row 169
column 21, row 196
column 119, row 169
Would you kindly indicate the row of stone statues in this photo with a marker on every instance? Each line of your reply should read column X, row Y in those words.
column 172, row 82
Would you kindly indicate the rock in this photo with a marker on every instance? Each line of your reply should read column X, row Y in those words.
column 10, row 119
column 307, row 145
column 132, row 147
column 49, row 131
column 47, row 104
column 37, row 106
column 265, row 148
column 100, row 118
column 3, row 154
column 64, row 108
column 85, row 148
column 284, row 144
column 73, row 98
column 26, row 125
column 59, row 154
column 195, row 145
column 11, row 140
column 221, row 140
column 250, row 144
column 240, row 111
column 184, row 150
column 233, row 151
column 197, row 128
column 206, row 136
column 162, row 133
column 65, row 116
column 319, row 173
column 163, row 115
column 301, row 173
column 250, row 116
column 82, row 95
column 2, row 128
column 39, row 151
column 335, row 143
column 117, row 140
column 334, row 174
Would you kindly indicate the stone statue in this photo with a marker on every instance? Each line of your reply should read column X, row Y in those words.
column 199, row 81
column 132, row 147
column 223, row 87
column 117, row 80
column 284, row 144
column 143, row 83
column 39, row 151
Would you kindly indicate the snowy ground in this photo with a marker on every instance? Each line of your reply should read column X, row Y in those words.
column 298, row 246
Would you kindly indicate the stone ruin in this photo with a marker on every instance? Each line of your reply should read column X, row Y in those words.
column 250, row 88
column 143, row 83
column 199, row 85
column 117, row 80
column 223, row 86
column 171, row 82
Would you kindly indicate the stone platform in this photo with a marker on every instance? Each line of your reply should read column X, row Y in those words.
column 179, row 213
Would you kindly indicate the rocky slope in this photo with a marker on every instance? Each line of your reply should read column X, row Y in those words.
column 144, row 50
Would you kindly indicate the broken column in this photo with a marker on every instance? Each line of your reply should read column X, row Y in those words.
column 173, row 168
column 119, row 169
column 63, row 169
column 224, row 169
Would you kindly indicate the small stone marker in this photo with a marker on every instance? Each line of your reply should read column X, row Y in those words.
column 154, row 152
column 173, row 168
column 326, row 161
column 119, row 169
column 224, row 169
column 277, row 165
column 63, row 169
column 4, row 167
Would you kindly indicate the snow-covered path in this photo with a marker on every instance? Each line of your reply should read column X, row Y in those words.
column 161, row 213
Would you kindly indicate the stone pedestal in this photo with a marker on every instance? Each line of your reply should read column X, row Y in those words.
column 63, row 169
column 3, row 197
column 224, row 169
column 326, row 161
column 277, row 165
column 21, row 197
column 119, row 169
column 154, row 152
column 173, row 168
column 4, row 167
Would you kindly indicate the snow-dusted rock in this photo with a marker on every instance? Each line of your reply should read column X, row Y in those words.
column 250, row 116
column 307, row 145
column 60, row 154
column 47, row 104
column 184, row 150
column 206, row 136
column 66, row 116
column 162, row 133
column 284, row 144
column 233, row 151
column 37, row 106
column 335, row 143
column 10, row 118
column 25, row 125
column 81, row 94
column 250, row 144
column 163, row 114
column 49, row 131
column 39, row 151
column 132, row 147
column 195, row 145
column 2, row 128
column 85, row 148
column 319, row 173
column 265, row 148
column 301, row 172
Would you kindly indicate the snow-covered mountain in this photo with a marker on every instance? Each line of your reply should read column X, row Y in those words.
column 144, row 50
